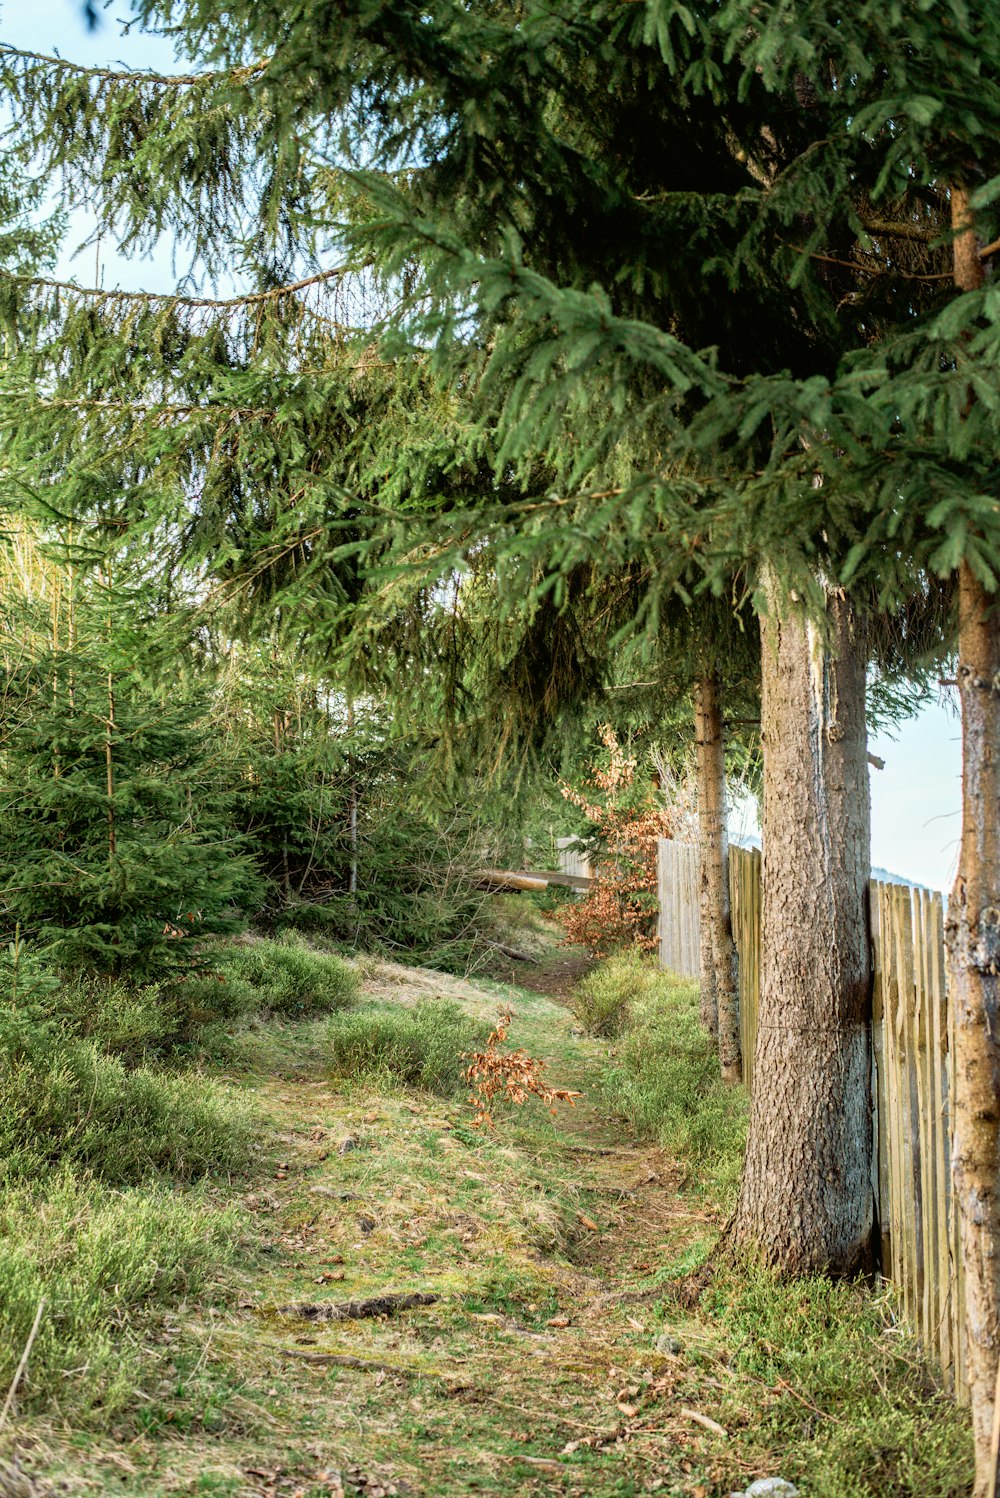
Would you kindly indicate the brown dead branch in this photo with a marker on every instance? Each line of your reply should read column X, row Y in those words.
column 357, row 1310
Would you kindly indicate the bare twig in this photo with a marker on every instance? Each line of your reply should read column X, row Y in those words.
column 19, row 1373
column 174, row 299
column 709, row 1424
column 884, row 229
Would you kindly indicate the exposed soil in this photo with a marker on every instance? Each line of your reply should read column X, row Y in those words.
column 556, row 976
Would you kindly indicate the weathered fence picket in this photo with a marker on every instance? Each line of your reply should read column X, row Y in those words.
column 679, row 876
column 912, row 1026
column 571, row 860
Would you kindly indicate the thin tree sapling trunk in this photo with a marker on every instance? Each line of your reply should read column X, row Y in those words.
column 973, row 941
column 714, row 849
column 109, row 769
column 352, row 800
column 806, row 1200
column 109, row 739
column 706, row 955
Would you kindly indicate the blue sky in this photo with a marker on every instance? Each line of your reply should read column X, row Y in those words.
column 916, row 799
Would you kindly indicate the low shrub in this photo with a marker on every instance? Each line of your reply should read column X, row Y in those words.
column 500, row 1076
column 419, row 1047
column 247, row 982
column 851, row 1406
column 663, row 1077
column 602, row 1000
column 104, row 1263
column 63, row 1099
column 285, row 977
column 135, row 1022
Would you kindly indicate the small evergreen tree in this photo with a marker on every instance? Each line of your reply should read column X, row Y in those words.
column 118, row 848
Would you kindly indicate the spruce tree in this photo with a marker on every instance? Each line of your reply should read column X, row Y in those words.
column 119, row 850
column 692, row 255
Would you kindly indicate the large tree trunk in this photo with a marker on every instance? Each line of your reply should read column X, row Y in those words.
column 806, row 1199
column 713, row 839
column 973, row 940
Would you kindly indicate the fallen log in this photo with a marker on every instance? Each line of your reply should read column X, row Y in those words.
column 511, row 952
column 565, row 881
column 506, row 879
column 357, row 1310
column 348, row 1360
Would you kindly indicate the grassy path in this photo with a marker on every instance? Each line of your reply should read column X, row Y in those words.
column 552, row 1360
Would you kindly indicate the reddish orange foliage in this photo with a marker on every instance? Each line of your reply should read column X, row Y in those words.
column 512, row 1076
column 620, row 909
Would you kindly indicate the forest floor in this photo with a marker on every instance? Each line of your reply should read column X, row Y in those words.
column 550, row 1354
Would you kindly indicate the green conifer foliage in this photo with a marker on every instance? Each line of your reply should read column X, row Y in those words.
column 119, row 848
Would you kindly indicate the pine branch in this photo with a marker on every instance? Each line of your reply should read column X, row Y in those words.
column 886, row 229
column 83, row 403
column 162, row 80
column 868, row 270
column 173, row 299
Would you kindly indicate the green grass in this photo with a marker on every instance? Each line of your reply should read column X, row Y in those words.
column 393, row 1046
column 284, row 977
column 557, row 1247
column 663, row 1073
column 248, row 982
column 104, row 1266
column 849, row 1408
column 82, row 1078
column 62, row 1099
column 603, row 1001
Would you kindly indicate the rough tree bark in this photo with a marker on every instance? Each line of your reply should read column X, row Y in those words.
column 805, row 1201
column 717, row 940
column 973, row 940
column 709, row 997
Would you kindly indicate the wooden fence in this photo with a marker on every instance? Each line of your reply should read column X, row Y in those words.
column 571, row 861
column 912, row 1026
column 911, row 1073
column 745, row 907
column 679, row 879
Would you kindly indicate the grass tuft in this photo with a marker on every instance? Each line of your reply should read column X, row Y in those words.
column 847, row 1406
column 287, row 978
column 419, row 1047
column 249, row 982
column 63, row 1099
column 106, row 1264
column 603, row 1000
column 663, row 1077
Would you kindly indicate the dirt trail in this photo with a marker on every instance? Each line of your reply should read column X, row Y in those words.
column 526, row 1366
column 557, row 975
